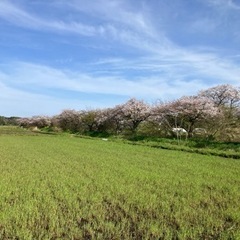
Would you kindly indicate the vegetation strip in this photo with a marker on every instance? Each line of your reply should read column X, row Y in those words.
column 224, row 154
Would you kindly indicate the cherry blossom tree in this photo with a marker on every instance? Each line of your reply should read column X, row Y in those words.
column 185, row 112
column 134, row 112
column 24, row 122
column 227, row 98
column 109, row 121
column 90, row 120
column 223, row 95
column 36, row 121
column 69, row 120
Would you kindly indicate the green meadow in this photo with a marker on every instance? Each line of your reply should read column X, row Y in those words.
column 66, row 187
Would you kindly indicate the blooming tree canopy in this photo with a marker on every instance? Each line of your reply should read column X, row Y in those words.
column 186, row 111
column 227, row 98
column 223, row 95
column 134, row 112
column 36, row 121
column 69, row 120
column 211, row 113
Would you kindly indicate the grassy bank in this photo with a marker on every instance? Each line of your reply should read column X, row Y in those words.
column 222, row 149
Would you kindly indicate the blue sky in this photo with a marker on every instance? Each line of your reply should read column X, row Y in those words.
column 82, row 54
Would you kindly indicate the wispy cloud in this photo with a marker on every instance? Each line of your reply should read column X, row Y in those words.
column 20, row 17
column 164, row 82
column 46, row 77
column 180, row 64
column 13, row 14
column 121, row 13
column 132, row 28
column 225, row 4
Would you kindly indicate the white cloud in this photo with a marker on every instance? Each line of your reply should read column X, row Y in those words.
column 39, row 76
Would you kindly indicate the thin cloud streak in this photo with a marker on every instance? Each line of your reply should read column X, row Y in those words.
column 46, row 77
column 120, row 13
column 19, row 17
column 184, row 63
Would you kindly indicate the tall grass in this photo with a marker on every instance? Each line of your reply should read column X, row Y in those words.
column 61, row 187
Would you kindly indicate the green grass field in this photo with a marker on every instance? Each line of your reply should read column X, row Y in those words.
column 63, row 187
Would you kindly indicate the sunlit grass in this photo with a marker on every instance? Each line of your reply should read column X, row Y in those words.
column 61, row 187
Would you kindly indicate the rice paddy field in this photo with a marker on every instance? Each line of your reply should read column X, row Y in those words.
column 63, row 187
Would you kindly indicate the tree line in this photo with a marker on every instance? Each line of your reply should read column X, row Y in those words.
column 213, row 113
column 8, row 120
